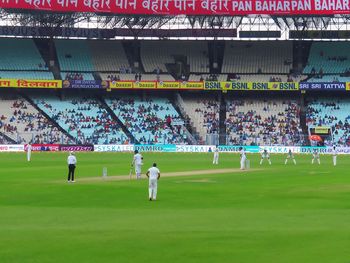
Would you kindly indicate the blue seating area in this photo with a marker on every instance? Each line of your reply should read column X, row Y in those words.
column 79, row 76
column 74, row 55
column 20, row 54
column 331, row 57
column 148, row 120
column 83, row 118
column 334, row 113
column 26, row 75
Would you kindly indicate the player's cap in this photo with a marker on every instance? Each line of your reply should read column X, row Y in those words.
column 154, row 165
column 71, row 153
column 136, row 151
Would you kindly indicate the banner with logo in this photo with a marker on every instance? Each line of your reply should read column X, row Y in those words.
column 168, row 85
column 192, row 85
column 11, row 148
column 232, row 85
column 187, row 7
column 85, row 84
column 121, row 84
column 76, row 148
column 322, row 86
column 114, row 148
column 30, row 84
column 44, row 147
column 145, row 85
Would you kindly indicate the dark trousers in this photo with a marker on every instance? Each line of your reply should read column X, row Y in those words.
column 71, row 169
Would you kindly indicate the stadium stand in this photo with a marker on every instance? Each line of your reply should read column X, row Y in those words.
column 203, row 113
column 258, row 57
column 329, row 78
column 150, row 120
column 202, row 77
column 108, row 56
column 263, row 122
column 20, row 54
column 74, row 56
column 20, row 121
column 84, row 118
column 77, row 76
column 328, row 58
column 196, row 53
column 26, row 75
column 333, row 113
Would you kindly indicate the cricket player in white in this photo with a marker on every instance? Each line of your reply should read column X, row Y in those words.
column 290, row 155
column 243, row 158
column 265, row 155
column 29, row 152
column 334, row 154
column 153, row 175
column 137, row 162
column 216, row 155
column 315, row 156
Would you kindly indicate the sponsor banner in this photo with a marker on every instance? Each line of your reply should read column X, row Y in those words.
column 11, row 148
column 192, row 85
column 322, row 130
column 121, row 84
column 44, row 147
column 168, row 85
column 155, row 148
column 114, row 148
column 85, row 84
column 280, row 149
column 322, row 86
column 249, row 149
column 76, row 148
column 145, row 85
column 188, row 7
column 30, row 84
column 195, row 148
column 227, row 85
column 347, row 85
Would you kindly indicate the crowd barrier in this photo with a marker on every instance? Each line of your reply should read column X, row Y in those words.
column 170, row 148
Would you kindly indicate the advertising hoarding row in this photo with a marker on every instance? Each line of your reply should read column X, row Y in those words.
column 187, row 7
column 170, row 148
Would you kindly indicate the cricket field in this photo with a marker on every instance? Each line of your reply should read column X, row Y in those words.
column 204, row 213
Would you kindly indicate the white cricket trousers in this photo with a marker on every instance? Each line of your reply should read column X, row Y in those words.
column 334, row 160
column 152, row 188
column 29, row 153
column 138, row 170
column 243, row 159
column 216, row 158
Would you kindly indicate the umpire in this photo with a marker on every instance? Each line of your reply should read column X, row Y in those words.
column 72, row 161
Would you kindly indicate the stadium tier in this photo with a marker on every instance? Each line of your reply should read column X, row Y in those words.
column 263, row 122
column 328, row 58
column 258, row 57
column 83, row 118
column 150, row 120
column 23, row 123
column 157, row 54
column 26, row 75
column 333, row 113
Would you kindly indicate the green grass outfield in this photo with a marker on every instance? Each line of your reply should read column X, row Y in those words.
column 270, row 214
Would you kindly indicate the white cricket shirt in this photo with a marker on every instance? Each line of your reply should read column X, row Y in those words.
column 138, row 159
column 71, row 159
column 153, row 173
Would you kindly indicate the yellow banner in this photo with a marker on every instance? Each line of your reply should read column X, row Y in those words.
column 347, row 85
column 145, row 85
column 192, row 85
column 226, row 85
column 121, row 84
column 168, row 85
column 30, row 84
column 322, row 130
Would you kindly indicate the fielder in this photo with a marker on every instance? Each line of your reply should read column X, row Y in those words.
column 29, row 152
column 216, row 155
column 137, row 162
column 153, row 175
column 243, row 158
column 265, row 155
column 290, row 155
column 334, row 154
column 315, row 156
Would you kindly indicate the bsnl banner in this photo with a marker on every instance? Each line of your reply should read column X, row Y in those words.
column 278, row 86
